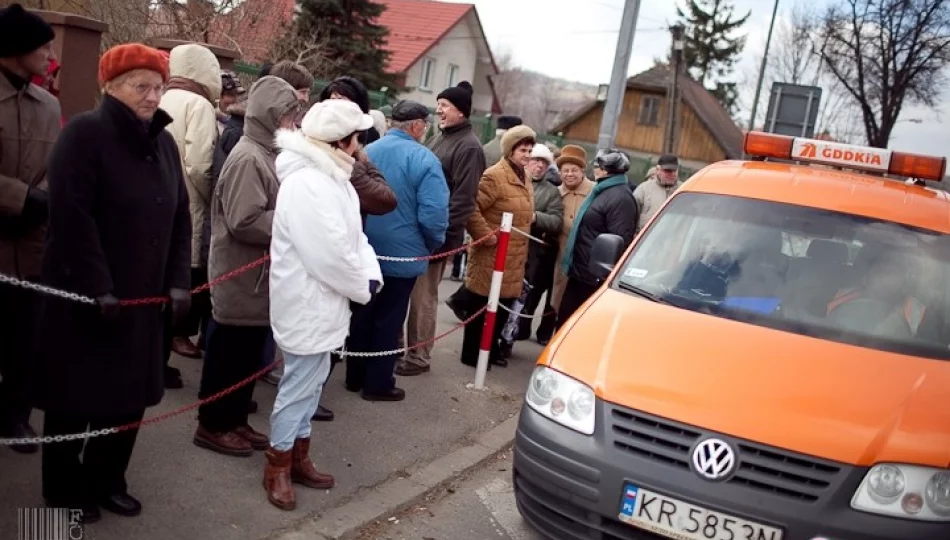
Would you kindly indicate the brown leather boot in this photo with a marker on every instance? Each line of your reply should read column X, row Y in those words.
column 280, row 491
column 303, row 472
column 258, row 440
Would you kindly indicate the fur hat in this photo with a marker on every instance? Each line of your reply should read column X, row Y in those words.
column 22, row 32
column 459, row 95
column 541, row 151
column 573, row 154
column 130, row 56
column 508, row 121
column 515, row 135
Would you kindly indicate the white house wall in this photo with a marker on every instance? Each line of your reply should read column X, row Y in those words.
column 461, row 46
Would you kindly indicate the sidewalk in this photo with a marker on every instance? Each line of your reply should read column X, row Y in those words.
column 188, row 492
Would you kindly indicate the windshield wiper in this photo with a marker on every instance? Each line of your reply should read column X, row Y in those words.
column 643, row 293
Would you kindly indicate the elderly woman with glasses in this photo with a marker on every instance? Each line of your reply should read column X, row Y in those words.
column 119, row 229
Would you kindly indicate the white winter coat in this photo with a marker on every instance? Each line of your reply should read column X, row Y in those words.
column 195, row 128
column 320, row 258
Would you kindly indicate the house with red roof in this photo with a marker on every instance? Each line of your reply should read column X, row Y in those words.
column 434, row 45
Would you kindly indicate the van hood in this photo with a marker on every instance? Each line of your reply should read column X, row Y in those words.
column 836, row 401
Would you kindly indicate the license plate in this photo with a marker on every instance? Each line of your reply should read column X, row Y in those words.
column 674, row 518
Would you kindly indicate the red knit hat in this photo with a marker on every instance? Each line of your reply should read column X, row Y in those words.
column 128, row 56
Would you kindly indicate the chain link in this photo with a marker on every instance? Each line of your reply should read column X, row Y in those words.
column 519, row 315
column 440, row 255
column 46, row 290
column 376, row 354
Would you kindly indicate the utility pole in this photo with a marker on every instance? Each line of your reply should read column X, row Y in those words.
column 673, row 95
column 765, row 60
column 618, row 77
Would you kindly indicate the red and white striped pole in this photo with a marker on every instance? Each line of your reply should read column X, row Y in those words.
column 501, row 253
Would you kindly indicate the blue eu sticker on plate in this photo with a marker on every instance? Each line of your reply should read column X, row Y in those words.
column 629, row 499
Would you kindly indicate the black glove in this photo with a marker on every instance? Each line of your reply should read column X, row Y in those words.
column 181, row 304
column 108, row 306
column 35, row 209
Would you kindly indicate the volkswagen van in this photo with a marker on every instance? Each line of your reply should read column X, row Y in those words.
column 768, row 360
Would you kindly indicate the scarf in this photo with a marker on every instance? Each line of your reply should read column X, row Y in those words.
column 188, row 85
column 602, row 185
column 339, row 157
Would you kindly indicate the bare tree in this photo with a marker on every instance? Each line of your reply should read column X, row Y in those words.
column 885, row 53
column 509, row 80
column 794, row 58
column 311, row 51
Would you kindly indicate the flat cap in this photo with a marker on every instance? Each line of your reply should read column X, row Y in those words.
column 407, row 110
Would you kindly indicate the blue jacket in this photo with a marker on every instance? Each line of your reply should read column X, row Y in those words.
column 417, row 226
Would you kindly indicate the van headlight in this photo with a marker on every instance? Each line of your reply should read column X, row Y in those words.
column 562, row 399
column 906, row 491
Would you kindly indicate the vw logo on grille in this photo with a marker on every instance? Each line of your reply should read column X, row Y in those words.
column 713, row 459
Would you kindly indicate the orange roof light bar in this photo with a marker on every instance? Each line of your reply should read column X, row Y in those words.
column 770, row 145
column 848, row 156
column 918, row 166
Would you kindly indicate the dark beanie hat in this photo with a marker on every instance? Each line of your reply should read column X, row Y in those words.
column 508, row 122
column 22, row 32
column 349, row 87
column 265, row 69
column 460, row 96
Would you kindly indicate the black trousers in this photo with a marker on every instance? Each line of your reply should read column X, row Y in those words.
column 542, row 281
column 200, row 313
column 376, row 328
column 457, row 261
column 575, row 294
column 69, row 482
column 19, row 313
column 232, row 355
column 472, row 338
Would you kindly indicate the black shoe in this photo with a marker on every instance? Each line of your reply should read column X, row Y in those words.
column 506, row 350
column 173, row 378
column 543, row 341
column 90, row 510
column 252, row 407
column 23, row 431
column 353, row 387
column 500, row 362
column 323, row 414
column 410, row 370
column 396, row 394
column 122, row 504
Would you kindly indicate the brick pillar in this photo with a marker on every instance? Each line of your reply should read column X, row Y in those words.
column 77, row 43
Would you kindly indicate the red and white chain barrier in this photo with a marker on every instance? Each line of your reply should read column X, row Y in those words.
column 16, row 282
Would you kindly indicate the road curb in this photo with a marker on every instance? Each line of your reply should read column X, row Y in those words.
column 393, row 496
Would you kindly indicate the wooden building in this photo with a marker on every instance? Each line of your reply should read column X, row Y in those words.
column 705, row 131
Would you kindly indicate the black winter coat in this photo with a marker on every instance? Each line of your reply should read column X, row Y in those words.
column 614, row 211
column 119, row 224
column 463, row 162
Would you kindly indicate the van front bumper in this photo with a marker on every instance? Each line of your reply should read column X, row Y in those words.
column 569, row 486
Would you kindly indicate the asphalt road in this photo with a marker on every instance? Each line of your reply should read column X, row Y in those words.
column 480, row 507
column 189, row 493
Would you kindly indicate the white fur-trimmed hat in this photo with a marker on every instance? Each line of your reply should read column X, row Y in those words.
column 541, row 151
column 333, row 119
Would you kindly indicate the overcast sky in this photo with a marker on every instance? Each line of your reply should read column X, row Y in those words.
column 576, row 39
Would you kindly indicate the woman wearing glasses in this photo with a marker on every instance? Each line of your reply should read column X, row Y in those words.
column 119, row 228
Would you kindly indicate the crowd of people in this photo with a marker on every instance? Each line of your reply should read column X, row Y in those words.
column 181, row 175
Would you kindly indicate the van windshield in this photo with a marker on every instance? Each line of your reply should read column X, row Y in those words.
column 814, row 272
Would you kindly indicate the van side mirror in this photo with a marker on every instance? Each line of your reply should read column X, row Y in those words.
column 604, row 256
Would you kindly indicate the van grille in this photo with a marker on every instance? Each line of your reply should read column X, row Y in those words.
column 762, row 468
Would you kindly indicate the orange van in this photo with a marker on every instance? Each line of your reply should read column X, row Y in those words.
column 769, row 360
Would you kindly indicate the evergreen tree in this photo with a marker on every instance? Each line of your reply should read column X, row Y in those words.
column 350, row 39
column 711, row 50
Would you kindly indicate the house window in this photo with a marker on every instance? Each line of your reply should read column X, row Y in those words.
column 428, row 72
column 452, row 76
column 649, row 111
